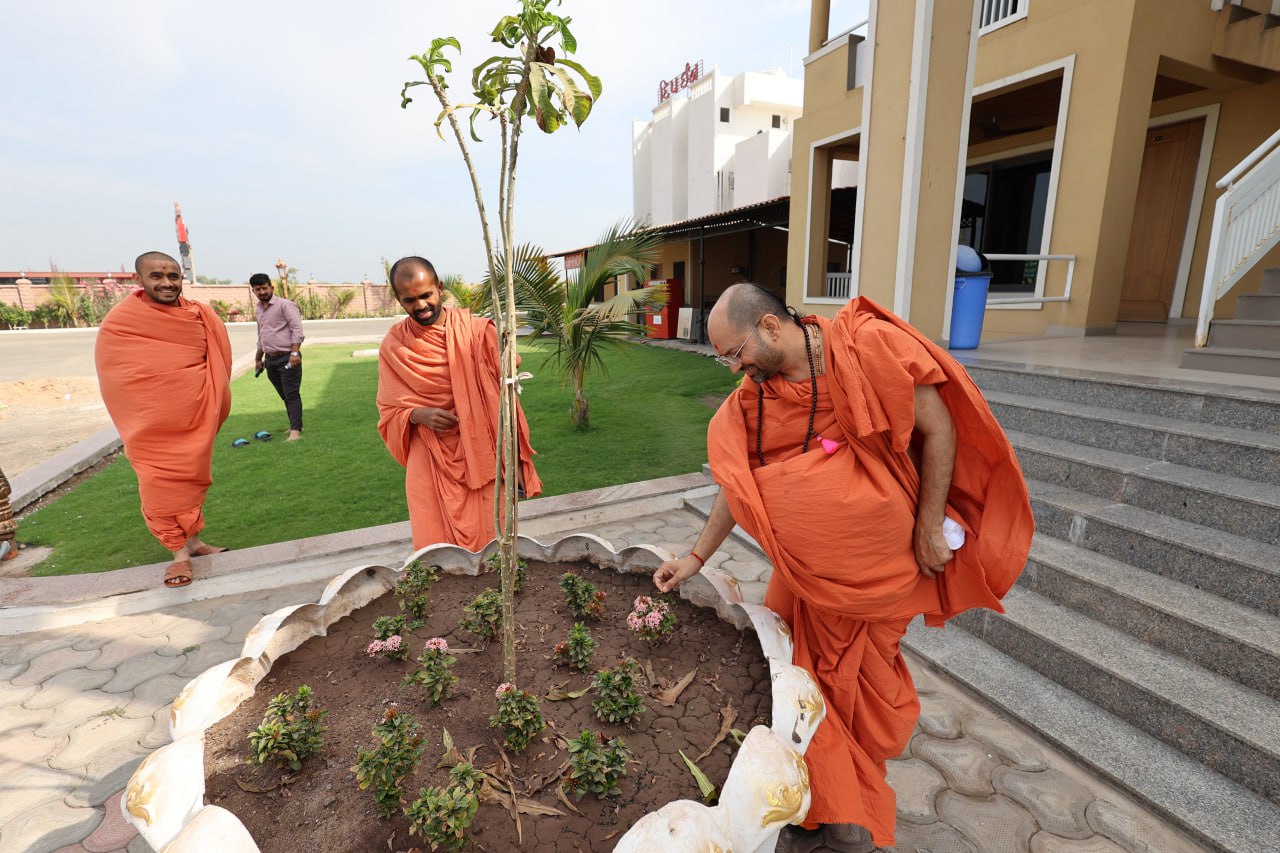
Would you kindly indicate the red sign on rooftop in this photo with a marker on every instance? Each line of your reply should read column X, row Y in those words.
column 691, row 74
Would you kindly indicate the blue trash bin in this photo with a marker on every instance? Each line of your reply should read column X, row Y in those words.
column 969, row 305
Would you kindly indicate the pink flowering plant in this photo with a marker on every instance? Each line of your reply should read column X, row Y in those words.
column 518, row 716
column 392, row 648
column 433, row 672
column 652, row 617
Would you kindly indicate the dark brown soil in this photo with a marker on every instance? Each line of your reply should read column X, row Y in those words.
column 321, row 808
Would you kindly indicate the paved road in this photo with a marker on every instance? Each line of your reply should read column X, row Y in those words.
column 45, row 353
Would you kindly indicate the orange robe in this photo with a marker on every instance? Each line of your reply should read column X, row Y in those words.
column 449, row 477
column 838, row 528
column 165, row 375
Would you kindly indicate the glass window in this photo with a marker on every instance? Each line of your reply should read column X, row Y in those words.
column 1003, row 212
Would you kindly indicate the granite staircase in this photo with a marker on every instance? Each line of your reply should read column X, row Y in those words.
column 1248, row 343
column 1144, row 636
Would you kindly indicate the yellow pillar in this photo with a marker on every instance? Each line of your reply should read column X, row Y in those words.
column 819, row 21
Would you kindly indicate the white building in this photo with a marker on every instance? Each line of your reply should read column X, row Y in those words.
column 721, row 143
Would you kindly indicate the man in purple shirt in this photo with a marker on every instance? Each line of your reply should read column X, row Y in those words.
column 279, row 344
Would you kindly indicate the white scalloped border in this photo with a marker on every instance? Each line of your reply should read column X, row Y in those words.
column 164, row 799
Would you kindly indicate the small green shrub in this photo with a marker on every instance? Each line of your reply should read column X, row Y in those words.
column 483, row 616
column 595, row 766
column 494, row 562
column 433, row 671
column 414, row 588
column 393, row 758
column 576, row 651
column 583, row 599
column 385, row 627
column 389, row 632
column 518, row 716
column 616, row 698
column 13, row 317
column 443, row 815
column 291, row 731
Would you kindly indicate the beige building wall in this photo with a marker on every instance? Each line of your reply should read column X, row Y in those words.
column 1108, row 53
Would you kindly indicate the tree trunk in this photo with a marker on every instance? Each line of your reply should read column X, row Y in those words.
column 580, row 411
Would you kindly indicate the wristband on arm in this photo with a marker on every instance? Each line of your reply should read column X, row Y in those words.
column 701, row 562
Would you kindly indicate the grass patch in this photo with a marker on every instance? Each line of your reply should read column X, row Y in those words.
column 649, row 417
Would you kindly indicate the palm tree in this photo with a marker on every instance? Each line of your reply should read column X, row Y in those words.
column 339, row 300
column 473, row 297
column 564, row 309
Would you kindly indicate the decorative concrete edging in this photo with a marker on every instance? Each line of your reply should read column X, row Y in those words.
column 768, row 783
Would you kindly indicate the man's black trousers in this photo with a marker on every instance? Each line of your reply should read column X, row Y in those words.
column 288, row 382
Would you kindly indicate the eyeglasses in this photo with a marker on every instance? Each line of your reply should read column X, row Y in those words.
column 733, row 360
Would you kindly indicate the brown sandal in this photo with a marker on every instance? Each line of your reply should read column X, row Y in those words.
column 206, row 551
column 178, row 573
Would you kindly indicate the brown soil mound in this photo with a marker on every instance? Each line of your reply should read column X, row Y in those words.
column 321, row 808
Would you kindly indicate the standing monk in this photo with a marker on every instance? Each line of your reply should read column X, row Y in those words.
column 438, row 387
column 164, row 369
column 854, row 441
column 8, row 527
column 279, row 347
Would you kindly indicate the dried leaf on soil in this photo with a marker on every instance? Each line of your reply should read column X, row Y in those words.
column 255, row 789
column 728, row 716
column 671, row 695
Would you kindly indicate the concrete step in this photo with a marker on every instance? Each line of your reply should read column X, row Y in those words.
column 1232, row 504
column 1226, row 450
column 1232, row 567
column 1255, row 362
column 1221, row 813
column 1233, row 640
column 1231, row 729
column 1238, row 408
column 1245, row 334
column 1258, row 306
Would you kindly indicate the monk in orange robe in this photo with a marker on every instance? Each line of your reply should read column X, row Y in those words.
column 164, row 370
column 438, row 390
column 857, row 456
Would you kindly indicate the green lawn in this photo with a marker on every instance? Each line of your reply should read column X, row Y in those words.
column 648, row 419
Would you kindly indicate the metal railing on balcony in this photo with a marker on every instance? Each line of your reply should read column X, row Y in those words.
column 839, row 285
column 997, row 13
column 1246, row 225
column 1035, row 274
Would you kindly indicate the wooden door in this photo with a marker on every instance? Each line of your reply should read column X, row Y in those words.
column 1160, row 221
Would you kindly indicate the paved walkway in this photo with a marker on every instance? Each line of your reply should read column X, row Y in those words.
column 81, row 706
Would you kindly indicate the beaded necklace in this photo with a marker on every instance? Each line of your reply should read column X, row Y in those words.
column 813, row 403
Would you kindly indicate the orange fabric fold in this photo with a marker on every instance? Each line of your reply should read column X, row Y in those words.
column 164, row 372
column 838, row 527
column 452, row 364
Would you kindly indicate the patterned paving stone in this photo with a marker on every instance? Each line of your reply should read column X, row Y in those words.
column 209, row 654
column 157, row 625
column 124, row 649
column 930, row 838
column 57, row 688
column 1133, row 832
column 98, row 737
column 1056, row 801
column 966, row 764
column 753, row 591
column 155, row 693
column 158, row 735
column 106, row 775
column 74, row 710
column 847, row 838
column 239, row 628
column 20, row 717
column 10, row 695
column 27, row 647
column 31, row 788
column 747, row 569
column 994, row 825
column 135, row 671
column 1046, row 842
column 22, row 747
column 48, row 827
column 73, row 848
column 9, row 671
column 1008, row 742
column 924, row 679
column 53, row 662
column 189, row 632
column 138, row 845
column 917, row 785
column 940, row 716
column 114, row 832
column 97, row 634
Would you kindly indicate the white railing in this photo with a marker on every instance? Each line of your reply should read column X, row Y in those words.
column 997, row 13
column 1246, row 225
column 839, row 285
column 1031, row 298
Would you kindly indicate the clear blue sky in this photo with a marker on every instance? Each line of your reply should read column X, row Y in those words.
column 278, row 127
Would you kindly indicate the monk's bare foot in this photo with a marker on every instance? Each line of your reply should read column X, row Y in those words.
column 197, row 548
column 294, row 435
